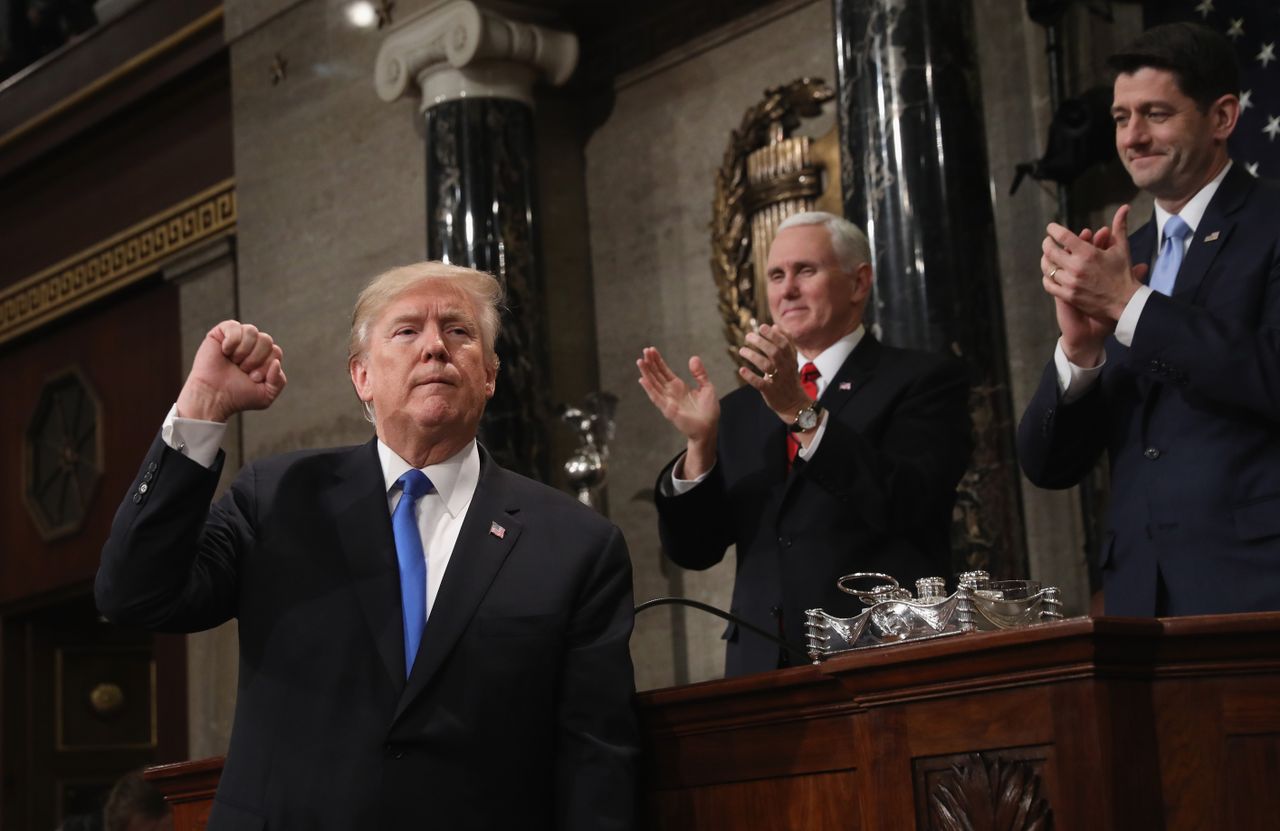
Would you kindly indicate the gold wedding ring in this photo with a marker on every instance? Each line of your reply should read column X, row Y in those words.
column 768, row 376
column 1051, row 273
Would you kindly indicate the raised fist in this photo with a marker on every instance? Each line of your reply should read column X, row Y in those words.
column 237, row 368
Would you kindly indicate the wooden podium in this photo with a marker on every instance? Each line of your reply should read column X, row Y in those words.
column 1106, row 723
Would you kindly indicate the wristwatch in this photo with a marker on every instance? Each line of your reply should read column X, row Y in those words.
column 807, row 418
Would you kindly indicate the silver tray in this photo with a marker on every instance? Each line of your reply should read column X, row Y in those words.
column 893, row 615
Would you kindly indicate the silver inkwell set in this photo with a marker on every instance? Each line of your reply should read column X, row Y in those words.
column 893, row 615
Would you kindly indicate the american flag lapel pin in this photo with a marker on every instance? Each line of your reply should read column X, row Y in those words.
column 497, row 530
column 846, row 385
column 1211, row 237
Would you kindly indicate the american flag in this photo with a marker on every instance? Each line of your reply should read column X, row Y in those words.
column 1254, row 27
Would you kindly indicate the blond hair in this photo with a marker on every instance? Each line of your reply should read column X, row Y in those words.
column 484, row 290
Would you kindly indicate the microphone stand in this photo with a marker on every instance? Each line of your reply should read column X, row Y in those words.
column 723, row 615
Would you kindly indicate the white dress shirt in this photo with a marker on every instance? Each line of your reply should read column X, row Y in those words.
column 1074, row 381
column 439, row 514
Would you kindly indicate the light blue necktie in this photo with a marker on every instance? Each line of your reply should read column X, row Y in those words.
column 1170, row 260
column 413, row 563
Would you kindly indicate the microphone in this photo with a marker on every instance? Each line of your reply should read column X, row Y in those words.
column 723, row 615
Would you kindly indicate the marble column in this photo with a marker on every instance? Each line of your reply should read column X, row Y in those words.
column 475, row 70
column 914, row 173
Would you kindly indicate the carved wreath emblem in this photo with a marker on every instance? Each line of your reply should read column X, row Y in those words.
column 731, row 257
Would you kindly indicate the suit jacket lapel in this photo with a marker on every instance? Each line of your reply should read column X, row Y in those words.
column 854, row 372
column 1212, row 234
column 357, row 500
column 477, row 556
column 1217, row 225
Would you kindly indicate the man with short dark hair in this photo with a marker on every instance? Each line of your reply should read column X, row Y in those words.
column 1176, row 377
column 840, row 455
column 419, row 628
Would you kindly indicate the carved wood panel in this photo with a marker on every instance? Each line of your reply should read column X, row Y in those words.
column 999, row 790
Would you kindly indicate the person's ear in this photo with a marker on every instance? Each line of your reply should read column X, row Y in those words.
column 491, row 377
column 862, row 282
column 360, row 378
column 1223, row 115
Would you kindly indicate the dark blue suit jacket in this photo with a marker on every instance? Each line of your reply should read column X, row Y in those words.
column 1190, row 418
column 522, row 687
column 875, row 496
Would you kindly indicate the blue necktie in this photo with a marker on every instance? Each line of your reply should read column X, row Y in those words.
column 413, row 563
column 1170, row 260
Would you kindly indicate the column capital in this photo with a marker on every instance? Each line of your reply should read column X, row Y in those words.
column 460, row 49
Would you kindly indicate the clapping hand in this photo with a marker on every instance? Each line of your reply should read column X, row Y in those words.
column 772, row 352
column 1091, row 280
column 694, row 411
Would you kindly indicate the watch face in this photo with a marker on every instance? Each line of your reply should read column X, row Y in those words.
column 806, row 419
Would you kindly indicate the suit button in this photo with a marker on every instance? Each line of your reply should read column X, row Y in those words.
column 784, row 542
column 1151, row 453
column 137, row 498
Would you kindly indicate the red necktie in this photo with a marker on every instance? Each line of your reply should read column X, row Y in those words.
column 809, row 376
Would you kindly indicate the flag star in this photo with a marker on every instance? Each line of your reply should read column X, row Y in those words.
column 1267, row 54
column 1245, row 103
column 1252, row 167
column 1204, row 8
column 1273, row 127
column 1237, row 28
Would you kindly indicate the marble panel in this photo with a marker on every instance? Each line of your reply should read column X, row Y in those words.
column 239, row 17
column 480, row 190
column 330, row 188
column 560, row 210
column 650, row 182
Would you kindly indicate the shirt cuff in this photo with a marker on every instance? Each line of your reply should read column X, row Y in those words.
column 806, row 453
column 198, row 440
column 1074, row 381
column 678, row 485
column 1128, row 322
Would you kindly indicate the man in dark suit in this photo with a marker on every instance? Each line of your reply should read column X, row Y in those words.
column 1179, row 379
column 426, row 640
column 840, row 455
